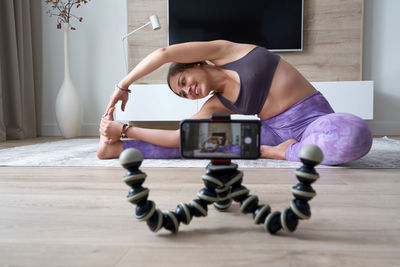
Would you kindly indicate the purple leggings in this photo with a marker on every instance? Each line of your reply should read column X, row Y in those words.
column 342, row 137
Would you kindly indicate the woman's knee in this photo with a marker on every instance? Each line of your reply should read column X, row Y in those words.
column 342, row 138
column 346, row 137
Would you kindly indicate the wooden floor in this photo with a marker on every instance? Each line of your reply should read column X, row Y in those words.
column 73, row 216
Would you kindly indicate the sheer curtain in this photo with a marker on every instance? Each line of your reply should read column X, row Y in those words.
column 20, row 68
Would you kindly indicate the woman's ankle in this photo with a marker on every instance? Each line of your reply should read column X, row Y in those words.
column 276, row 152
column 270, row 152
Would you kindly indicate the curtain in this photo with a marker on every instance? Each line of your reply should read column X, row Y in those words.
column 20, row 69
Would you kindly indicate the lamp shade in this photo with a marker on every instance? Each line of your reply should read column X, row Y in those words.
column 155, row 22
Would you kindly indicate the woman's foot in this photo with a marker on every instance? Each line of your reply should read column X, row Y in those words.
column 108, row 151
column 276, row 152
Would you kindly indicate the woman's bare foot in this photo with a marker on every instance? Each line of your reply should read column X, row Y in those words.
column 276, row 152
column 108, row 151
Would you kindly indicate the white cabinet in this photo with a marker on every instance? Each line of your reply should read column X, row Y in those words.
column 355, row 97
column 156, row 102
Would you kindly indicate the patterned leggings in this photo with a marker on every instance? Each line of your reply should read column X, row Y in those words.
column 342, row 137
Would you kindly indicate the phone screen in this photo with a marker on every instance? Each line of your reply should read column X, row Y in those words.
column 205, row 139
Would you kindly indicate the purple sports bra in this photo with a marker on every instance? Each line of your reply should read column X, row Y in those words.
column 255, row 70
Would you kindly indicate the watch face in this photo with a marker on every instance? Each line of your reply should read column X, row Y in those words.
column 124, row 128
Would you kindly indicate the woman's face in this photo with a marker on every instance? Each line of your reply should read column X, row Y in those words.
column 193, row 83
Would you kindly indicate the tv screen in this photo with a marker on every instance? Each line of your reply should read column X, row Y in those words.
column 274, row 24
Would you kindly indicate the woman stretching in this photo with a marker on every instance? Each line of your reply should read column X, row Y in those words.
column 243, row 79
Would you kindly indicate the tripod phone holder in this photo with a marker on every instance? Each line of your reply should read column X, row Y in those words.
column 223, row 184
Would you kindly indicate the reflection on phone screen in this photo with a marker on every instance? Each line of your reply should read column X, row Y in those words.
column 220, row 139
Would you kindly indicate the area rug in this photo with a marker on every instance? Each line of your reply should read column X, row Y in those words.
column 385, row 153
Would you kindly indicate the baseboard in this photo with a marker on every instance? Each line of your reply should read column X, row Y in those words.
column 384, row 127
column 88, row 129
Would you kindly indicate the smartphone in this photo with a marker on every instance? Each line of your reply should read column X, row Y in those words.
column 206, row 139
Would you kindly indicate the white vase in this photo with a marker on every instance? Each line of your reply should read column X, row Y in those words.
column 68, row 104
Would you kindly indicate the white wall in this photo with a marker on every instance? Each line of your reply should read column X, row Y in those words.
column 97, row 61
column 381, row 63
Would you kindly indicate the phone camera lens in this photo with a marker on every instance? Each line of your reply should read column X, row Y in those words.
column 247, row 140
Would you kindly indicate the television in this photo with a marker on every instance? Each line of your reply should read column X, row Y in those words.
column 274, row 24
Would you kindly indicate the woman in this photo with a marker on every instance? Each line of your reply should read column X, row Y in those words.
column 215, row 143
column 245, row 79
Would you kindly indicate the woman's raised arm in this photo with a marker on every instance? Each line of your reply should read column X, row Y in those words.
column 218, row 52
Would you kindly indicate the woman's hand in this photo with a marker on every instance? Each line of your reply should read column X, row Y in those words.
column 109, row 128
column 118, row 95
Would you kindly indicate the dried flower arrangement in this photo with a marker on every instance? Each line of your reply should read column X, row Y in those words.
column 62, row 10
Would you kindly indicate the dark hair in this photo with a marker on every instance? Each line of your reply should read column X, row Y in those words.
column 176, row 68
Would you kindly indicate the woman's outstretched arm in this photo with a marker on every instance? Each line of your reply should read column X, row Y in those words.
column 168, row 138
column 219, row 52
column 112, row 131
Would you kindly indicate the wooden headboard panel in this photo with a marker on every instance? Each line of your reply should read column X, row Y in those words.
column 332, row 39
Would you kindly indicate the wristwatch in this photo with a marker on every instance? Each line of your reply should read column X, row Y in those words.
column 125, row 128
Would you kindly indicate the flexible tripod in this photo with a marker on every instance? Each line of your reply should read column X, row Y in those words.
column 223, row 183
